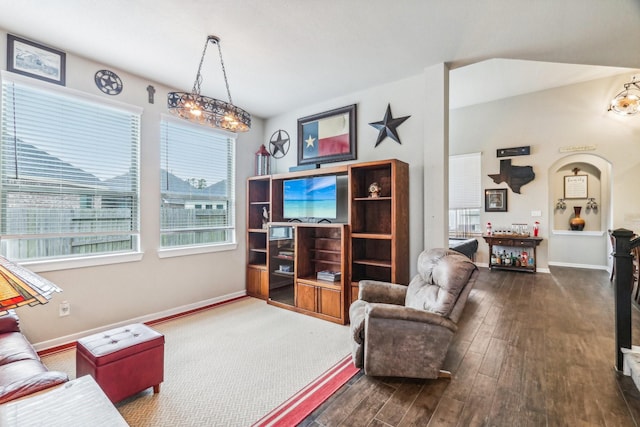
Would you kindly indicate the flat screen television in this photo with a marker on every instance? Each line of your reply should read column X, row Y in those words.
column 310, row 198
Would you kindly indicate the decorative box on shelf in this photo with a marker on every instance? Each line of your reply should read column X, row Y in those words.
column 330, row 276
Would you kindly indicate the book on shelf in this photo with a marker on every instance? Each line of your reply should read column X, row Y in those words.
column 330, row 276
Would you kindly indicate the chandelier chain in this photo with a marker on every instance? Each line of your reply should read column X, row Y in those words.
column 198, row 82
column 224, row 73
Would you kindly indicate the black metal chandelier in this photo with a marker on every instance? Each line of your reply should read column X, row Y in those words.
column 197, row 108
column 627, row 102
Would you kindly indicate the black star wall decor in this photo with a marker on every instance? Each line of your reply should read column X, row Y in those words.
column 387, row 127
column 279, row 144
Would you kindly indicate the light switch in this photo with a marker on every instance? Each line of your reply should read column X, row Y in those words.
column 536, row 213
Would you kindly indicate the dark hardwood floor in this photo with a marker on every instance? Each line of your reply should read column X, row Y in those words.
column 531, row 350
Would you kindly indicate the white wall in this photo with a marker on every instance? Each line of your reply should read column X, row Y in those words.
column 407, row 99
column 110, row 294
column 547, row 121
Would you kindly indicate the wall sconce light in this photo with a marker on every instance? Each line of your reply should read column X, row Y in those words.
column 592, row 204
column 561, row 205
column 627, row 102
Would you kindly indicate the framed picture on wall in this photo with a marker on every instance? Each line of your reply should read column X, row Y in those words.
column 35, row 60
column 575, row 187
column 495, row 200
column 327, row 137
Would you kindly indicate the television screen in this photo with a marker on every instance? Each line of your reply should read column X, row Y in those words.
column 314, row 197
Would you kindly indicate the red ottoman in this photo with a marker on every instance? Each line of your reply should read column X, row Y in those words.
column 123, row 361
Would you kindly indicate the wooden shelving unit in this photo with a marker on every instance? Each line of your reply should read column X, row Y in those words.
column 322, row 247
column 379, row 225
column 281, row 264
column 515, row 242
column 258, row 199
column 372, row 244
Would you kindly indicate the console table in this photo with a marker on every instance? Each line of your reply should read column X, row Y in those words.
column 80, row 402
column 515, row 242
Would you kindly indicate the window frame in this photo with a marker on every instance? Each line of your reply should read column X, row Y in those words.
column 194, row 249
column 467, row 208
column 95, row 259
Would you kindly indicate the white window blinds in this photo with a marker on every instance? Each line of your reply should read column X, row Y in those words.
column 69, row 173
column 196, row 185
column 465, row 190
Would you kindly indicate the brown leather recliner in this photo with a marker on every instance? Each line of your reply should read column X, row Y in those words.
column 405, row 331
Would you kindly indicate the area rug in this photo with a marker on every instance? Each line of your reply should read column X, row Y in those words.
column 303, row 403
column 231, row 365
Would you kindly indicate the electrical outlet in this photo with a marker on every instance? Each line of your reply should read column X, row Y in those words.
column 65, row 308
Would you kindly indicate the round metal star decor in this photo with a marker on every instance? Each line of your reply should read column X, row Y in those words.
column 279, row 144
column 387, row 127
column 108, row 82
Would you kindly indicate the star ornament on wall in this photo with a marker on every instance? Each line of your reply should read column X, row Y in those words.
column 387, row 127
column 279, row 144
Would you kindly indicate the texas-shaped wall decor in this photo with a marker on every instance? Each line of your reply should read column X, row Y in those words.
column 514, row 176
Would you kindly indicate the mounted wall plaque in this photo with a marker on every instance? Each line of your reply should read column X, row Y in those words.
column 575, row 187
column 515, row 151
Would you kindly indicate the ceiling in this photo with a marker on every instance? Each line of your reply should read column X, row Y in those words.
column 284, row 54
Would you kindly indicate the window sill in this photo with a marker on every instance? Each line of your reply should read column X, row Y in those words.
column 195, row 250
column 87, row 261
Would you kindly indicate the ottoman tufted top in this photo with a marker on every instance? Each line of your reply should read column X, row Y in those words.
column 115, row 344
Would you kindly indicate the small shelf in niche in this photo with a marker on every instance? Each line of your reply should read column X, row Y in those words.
column 578, row 233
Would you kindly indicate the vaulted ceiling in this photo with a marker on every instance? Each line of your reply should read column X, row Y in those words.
column 284, row 54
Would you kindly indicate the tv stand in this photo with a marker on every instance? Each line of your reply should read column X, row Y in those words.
column 294, row 264
column 373, row 244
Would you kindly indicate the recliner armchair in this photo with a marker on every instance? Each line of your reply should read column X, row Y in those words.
column 405, row 331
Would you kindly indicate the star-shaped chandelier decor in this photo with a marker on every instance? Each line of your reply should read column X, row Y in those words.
column 387, row 127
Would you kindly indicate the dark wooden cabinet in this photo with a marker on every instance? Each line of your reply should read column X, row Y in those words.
column 379, row 222
column 297, row 253
column 370, row 242
column 509, row 244
column 257, row 282
column 322, row 248
column 258, row 200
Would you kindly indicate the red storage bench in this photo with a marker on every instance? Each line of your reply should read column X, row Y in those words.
column 123, row 361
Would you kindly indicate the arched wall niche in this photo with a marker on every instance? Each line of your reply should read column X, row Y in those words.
column 588, row 247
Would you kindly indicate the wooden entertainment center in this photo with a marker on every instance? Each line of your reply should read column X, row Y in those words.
column 372, row 242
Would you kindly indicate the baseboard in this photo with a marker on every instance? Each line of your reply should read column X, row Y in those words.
column 67, row 341
column 572, row 265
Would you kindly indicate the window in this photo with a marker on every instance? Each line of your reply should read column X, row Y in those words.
column 197, row 174
column 69, row 173
column 465, row 195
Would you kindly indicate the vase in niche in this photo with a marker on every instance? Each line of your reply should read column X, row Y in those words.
column 577, row 223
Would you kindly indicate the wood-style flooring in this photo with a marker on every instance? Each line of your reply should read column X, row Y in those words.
column 531, row 350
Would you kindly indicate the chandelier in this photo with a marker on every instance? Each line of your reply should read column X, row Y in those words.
column 197, row 108
column 627, row 102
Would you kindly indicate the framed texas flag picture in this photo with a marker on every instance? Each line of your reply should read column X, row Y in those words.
column 327, row 137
